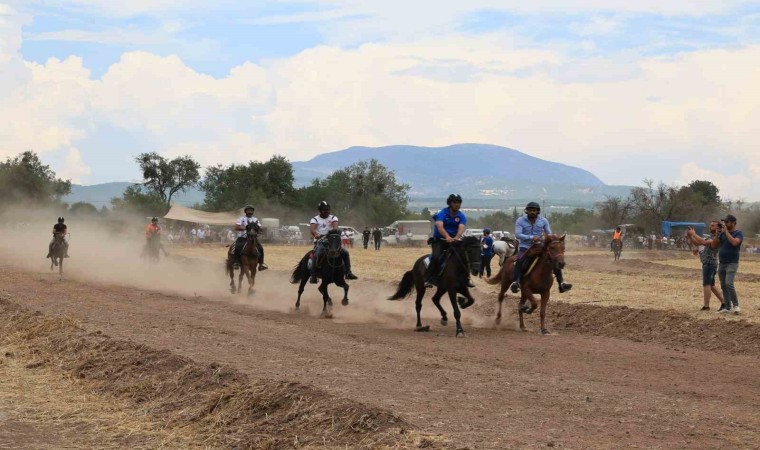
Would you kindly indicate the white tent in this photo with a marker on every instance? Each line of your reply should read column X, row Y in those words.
column 185, row 214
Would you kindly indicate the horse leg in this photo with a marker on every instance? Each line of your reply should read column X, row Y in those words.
column 344, row 302
column 457, row 314
column 520, row 315
column 437, row 302
column 327, row 301
column 251, row 278
column 544, row 301
column 304, row 279
column 60, row 267
column 243, row 270
column 502, row 289
column 231, row 273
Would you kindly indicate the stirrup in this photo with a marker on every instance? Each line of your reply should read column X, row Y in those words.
column 351, row 276
column 263, row 266
column 515, row 287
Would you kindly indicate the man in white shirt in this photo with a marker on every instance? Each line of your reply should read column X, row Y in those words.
column 240, row 227
column 320, row 225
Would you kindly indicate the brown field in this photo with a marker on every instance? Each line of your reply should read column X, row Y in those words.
column 118, row 354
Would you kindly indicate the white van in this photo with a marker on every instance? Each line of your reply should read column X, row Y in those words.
column 410, row 232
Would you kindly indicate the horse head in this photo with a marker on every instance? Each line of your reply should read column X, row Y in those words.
column 554, row 248
column 472, row 253
column 333, row 243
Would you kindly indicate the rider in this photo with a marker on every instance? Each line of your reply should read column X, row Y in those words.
column 320, row 225
column 153, row 230
column 59, row 230
column 528, row 230
column 618, row 234
column 240, row 227
column 449, row 226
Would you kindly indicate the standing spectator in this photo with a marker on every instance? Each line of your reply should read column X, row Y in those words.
column 230, row 236
column 200, row 235
column 728, row 242
column 709, row 258
column 486, row 243
column 377, row 236
column 193, row 236
column 345, row 238
column 365, row 237
column 641, row 241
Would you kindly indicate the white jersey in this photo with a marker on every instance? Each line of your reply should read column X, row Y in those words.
column 244, row 222
column 323, row 225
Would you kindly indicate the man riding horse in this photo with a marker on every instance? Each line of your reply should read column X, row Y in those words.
column 616, row 236
column 240, row 227
column 59, row 232
column 153, row 234
column 449, row 227
column 529, row 230
column 320, row 225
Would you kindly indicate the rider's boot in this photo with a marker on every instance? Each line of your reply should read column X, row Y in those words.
column 313, row 276
column 347, row 261
column 517, row 277
column 470, row 284
column 262, row 266
column 563, row 287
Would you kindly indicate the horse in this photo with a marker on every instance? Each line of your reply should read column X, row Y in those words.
column 330, row 270
column 152, row 249
column 461, row 256
column 249, row 261
column 504, row 248
column 58, row 252
column 547, row 256
column 617, row 248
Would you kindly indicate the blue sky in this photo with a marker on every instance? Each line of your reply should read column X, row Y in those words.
column 661, row 85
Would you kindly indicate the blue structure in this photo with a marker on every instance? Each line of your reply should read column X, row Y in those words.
column 668, row 228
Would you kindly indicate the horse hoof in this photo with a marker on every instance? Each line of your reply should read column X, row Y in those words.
column 525, row 309
column 466, row 304
column 498, row 320
column 460, row 333
column 544, row 332
column 423, row 329
column 444, row 322
column 344, row 302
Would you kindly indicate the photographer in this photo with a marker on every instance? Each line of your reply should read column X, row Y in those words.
column 729, row 243
column 709, row 258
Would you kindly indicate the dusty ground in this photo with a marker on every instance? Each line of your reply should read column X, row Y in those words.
column 497, row 388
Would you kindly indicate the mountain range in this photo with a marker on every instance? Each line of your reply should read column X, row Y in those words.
column 488, row 176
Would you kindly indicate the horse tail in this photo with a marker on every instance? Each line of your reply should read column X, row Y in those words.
column 497, row 278
column 404, row 287
column 300, row 270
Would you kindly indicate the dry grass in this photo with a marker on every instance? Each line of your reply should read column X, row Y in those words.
column 167, row 400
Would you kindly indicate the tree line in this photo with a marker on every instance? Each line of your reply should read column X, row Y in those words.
column 365, row 193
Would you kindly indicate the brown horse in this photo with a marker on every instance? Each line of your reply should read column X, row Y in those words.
column 617, row 248
column 249, row 261
column 547, row 256
column 58, row 252
column 463, row 256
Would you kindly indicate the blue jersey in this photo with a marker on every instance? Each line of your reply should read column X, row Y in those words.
column 525, row 231
column 450, row 223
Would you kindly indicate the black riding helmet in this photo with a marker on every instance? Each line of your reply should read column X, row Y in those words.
column 532, row 205
column 247, row 207
column 60, row 220
column 453, row 198
column 323, row 205
column 155, row 219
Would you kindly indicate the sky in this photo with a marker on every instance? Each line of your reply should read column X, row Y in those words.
column 661, row 90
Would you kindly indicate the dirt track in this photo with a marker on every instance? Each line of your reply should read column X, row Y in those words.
column 498, row 388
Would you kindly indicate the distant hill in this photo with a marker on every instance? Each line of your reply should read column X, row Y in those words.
column 477, row 171
column 488, row 176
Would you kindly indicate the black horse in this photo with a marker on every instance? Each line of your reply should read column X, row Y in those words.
column 461, row 257
column 330, row 270
column 58, row 251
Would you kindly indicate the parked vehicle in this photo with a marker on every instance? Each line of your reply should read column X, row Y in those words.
column 409, row 232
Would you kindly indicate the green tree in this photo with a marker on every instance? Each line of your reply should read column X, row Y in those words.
column 499, row 220
column 515, row 215
column 138, row 201
column 26, row 179
column 164, row 178
column 83, row 209
column 232, row 187
column 614, row 211
column 366, row 190
column 579, row 221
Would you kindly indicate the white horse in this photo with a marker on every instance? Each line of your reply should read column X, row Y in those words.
column 504, row 249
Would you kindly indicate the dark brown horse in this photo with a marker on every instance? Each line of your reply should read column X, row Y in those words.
column 617, row 248
column 249, row 261
column 330, row 270
column 58, row 252
column 546, row 256
column 463, row 256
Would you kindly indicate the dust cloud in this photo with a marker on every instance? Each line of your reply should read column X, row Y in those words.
column 103, row 252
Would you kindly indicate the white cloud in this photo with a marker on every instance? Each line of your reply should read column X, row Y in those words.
column 742, row 185
column 74, row 168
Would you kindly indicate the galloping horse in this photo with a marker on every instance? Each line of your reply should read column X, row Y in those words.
column 617, row 248
column 330, row 270
column 547, row 256
column 505, row 248
column 461, row 256
column 57, row 252
column 249, row 261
